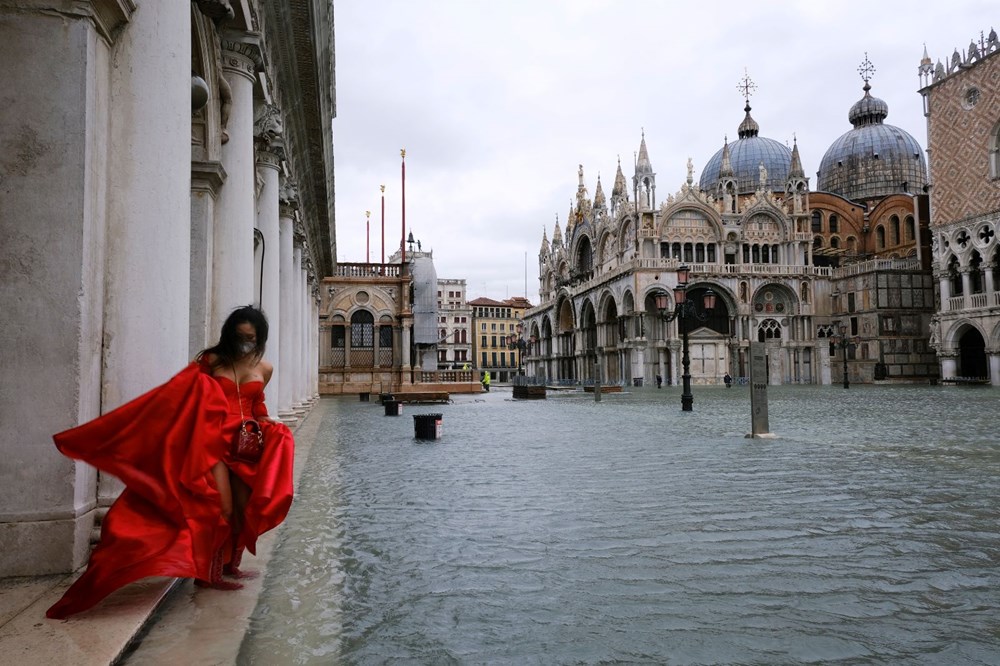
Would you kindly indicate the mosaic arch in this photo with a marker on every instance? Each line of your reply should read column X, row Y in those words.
column 774, row 300
column 691, row 224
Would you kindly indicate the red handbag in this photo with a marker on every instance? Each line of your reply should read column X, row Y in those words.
column 248, row 446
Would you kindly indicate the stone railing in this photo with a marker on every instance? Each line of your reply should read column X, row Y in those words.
column 972, row 301
column 367, row 270
column 446, row 376
column 908, row 264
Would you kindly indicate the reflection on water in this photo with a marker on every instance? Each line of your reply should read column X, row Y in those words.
column 565, row 531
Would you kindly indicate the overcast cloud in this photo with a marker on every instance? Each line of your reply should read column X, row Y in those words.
column 497, row 103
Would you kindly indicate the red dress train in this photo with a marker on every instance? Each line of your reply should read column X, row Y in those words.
column 168, row 520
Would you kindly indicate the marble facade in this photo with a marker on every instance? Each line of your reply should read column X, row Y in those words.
column 163, row 163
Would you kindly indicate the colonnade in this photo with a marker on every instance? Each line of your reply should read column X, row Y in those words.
column 131, row 234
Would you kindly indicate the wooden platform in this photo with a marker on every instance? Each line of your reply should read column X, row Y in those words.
column 422, row 396
column 966, row 381
column 529, row 393
column 611, row 388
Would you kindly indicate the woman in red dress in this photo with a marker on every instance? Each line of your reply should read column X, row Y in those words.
column 189, row 508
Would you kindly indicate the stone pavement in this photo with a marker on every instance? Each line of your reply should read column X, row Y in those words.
column 174, row 614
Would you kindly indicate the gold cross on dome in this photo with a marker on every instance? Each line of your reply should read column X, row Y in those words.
column 747, row 86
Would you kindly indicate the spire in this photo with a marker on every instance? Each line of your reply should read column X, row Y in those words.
column 570, row 221
column 749, row 126
column 796, row 170
column 868, row 110
column 643, row 164
column 545, row 240
column 726, row 169
column 556, row 234
column 599, row 200
column 926, row 60
column 620, row 188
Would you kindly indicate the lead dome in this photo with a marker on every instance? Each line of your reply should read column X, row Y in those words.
column 746, row 155
column 874, row 159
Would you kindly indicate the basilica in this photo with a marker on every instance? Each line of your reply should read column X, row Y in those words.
column 833, row 278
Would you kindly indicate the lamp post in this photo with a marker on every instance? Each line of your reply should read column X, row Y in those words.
column 843, row 342
column 518, row 343
column 684, row 309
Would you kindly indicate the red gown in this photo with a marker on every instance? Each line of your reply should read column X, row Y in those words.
column 168, row 520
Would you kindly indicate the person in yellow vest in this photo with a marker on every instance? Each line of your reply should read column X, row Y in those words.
column 486, row 380
column 465, row 368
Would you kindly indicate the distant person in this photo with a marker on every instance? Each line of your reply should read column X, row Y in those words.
column 465, row 367
column 659, row 381
column 486, row 380
column 728, row 380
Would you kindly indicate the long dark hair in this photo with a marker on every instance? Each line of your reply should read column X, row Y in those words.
column 226, row 351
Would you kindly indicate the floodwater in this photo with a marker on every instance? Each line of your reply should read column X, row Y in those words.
column 566, row 531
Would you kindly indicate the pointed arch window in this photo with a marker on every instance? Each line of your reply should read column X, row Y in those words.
column 769, row 329
column 894, row 226
column 880, row 237
column 834, row 225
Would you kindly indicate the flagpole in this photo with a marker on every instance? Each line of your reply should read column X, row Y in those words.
column 402, row 244
column 368, row 237
column 382, row 187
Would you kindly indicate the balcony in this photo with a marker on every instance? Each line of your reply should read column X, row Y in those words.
column 972, row 302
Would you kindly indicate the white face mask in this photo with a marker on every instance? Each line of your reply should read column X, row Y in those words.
column 245, row 347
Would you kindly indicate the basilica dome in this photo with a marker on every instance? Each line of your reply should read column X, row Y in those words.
column 746, row 156
column 874, row 159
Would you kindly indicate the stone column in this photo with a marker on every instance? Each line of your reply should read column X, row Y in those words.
column 206, row 182
column 949, row 363
column 232, row 252
column 825, row 376
column 988, row 283
column 296, row 298
column 966, row 283
column 54, row 172
column 945, row 284
column 148, row 252
column 303, row 378
column 268, row 166
column 286, row 270
column 994, row 359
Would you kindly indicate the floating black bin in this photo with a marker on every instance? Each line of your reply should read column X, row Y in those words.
column 393, row 407
column 365, row 397
column 427, row 426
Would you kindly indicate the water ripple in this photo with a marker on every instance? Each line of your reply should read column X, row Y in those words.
column 571, row 532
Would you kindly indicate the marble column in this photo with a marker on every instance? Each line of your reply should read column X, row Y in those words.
column 966, row 283
column 949, row 364
column 945, row 284
column 286, row 269
column 206, row 182
column 232, row 252
column 296, row 298
column 993, row 357
column 268, row 166
column 988, row 283
column 148, row 252
column 54, row 175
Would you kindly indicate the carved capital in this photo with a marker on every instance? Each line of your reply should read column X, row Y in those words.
column 207, row 177
column 288, row 198
column 270, row 158
column 241, row 54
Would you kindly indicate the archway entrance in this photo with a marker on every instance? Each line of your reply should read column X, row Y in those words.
column 972, row 354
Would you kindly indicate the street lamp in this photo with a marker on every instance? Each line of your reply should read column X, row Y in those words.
column 518, row 343
column 841, row 340
column 684, row 309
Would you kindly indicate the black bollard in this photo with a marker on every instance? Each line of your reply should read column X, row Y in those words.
column 393, row 407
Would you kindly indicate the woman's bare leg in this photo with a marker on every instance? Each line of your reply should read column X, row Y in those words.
column 220, row 473
column 241, row 497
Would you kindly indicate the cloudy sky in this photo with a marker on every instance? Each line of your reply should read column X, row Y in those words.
column 497, row 103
